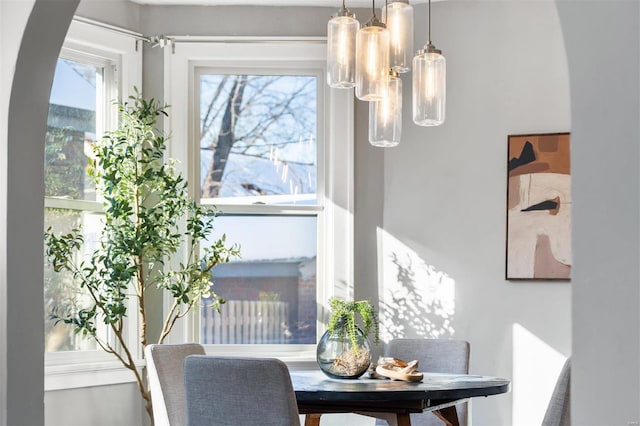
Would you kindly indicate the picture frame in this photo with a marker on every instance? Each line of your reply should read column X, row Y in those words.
column 538, row 234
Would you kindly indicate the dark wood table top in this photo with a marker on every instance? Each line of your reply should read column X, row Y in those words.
column 312, row 386
column 317, row 394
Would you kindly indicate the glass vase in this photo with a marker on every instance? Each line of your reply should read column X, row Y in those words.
column 341, row 357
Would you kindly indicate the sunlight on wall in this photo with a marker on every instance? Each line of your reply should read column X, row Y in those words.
column 416, row 299
column 536, row 367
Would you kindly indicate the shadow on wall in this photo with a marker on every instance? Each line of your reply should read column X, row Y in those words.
column 416, row 299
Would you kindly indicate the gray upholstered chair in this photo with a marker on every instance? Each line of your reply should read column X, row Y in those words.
column 166, row 383
column 238, row 391
column 434, row 356
column 559, row 409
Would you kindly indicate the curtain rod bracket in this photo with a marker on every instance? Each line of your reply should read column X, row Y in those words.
column 162, row 42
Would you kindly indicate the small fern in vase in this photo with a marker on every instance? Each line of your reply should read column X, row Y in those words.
column 343, row 351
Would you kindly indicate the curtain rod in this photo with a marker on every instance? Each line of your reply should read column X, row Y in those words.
column 238, row 39
column 112, row 28
column 171, row 40
column 164, row 41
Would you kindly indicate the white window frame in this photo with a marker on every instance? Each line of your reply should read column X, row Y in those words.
column 335, row 165
column 120, row 52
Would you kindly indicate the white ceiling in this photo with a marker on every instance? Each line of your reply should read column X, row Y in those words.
column 327, row 3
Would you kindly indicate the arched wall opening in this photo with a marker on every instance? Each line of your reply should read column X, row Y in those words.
column 605, row 297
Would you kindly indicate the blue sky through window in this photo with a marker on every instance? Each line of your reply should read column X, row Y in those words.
column 74, row 85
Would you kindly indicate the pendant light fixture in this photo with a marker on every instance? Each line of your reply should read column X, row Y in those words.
column 398, row 16
column 341, row 47
column 429, row 83
column 385, row 115
column 372, row 59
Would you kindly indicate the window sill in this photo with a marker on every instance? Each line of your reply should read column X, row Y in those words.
column 72, row 375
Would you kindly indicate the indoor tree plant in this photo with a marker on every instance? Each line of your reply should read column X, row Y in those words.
column 343, row 350
column 148, row 218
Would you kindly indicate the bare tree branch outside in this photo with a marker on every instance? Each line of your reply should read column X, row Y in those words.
column 258, row 135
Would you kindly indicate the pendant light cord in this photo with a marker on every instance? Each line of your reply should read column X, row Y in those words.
column 429, row 20
column 386, row 11
column 373, row 8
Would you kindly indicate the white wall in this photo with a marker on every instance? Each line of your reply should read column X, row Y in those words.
column 95, row 406
column 445, row 207
column 121, row 13
column 605, row 105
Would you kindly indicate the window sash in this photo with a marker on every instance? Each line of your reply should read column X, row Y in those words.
column 267, row 68
column 262, row 68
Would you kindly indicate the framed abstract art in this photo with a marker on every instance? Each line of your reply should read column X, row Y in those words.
column 539, row 207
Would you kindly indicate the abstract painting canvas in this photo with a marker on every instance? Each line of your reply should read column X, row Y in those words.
column 539, row 207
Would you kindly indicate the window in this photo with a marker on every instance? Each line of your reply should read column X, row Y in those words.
column 270, row 146
column 96, row 66
column 258, row 146
column 75, row 114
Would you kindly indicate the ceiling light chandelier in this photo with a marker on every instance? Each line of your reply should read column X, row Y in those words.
column 372, row 59
column 398, row 16
column 341, row 47
column 429, row 83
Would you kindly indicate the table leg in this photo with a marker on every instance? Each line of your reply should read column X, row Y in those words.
column 403, row 419
column 448, row 415
column 312, row 419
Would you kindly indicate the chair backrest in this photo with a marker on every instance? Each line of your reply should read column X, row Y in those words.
column 166, row 382
column 238, row 391
column 559, row 409
column 434, row 356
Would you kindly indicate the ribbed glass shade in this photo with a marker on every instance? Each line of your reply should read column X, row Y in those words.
column 385, row 116
column 372, row 62
column 429, row 88
column 398, row 16
column 341, row 51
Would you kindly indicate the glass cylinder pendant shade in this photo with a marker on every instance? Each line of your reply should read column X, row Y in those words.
column 341, row 50
column 429, row 87
column 385, row 115
column 398, row 16
column 372, row 61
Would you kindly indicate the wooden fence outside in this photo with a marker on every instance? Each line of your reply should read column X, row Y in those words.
column 246, row 321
